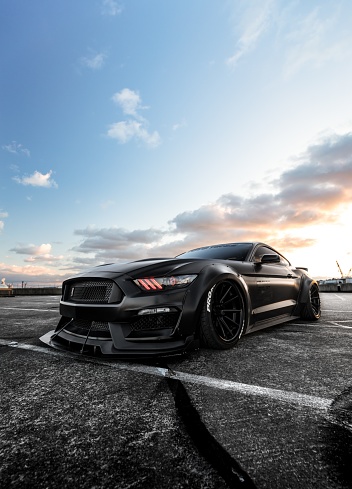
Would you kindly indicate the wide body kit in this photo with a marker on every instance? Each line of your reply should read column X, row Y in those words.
column 166, row 306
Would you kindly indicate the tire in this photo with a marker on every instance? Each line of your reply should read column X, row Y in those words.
column 223, row 316
column 311, row 311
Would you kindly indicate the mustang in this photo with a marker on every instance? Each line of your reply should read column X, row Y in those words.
column 208, row 296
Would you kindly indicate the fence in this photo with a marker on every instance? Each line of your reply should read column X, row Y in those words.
column 35, row 285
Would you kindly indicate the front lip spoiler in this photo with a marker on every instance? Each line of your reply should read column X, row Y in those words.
column 107, row 348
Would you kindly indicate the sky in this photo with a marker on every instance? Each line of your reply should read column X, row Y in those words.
column 139, row 128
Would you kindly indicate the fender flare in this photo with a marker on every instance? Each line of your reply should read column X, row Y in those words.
column 195, row 296
column 304, row 297
column 304, row 293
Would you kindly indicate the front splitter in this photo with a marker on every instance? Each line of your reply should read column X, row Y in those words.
column 106, row 348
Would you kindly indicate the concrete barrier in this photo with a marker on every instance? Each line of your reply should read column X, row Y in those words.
column 6, row 292
column 335, row 288
column 37, row 291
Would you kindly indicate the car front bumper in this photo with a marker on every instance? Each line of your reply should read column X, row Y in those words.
column 150, row 325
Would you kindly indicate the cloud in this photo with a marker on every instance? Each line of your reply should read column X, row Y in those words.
column 309, row 42
column 304, row 38
column 14, row 168
column 26, row 273
column 111, row 7
column 114, row 244
column 135, row 128
column 2, row 216
column 313, row 191
column 179, row 125
column 49, row 259
column 255, row 21
column 37, row 180
column 324, row 172
column 37, row 253
column 116, row 238
column 31, row 249
column 94, row 61
column 125, row 131
column 16, row 148
column 128, row 100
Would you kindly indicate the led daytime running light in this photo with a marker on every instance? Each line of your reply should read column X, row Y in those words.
column 160, row 283
column 149, row 283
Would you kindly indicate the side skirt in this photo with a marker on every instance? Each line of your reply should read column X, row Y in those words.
column 266, row 323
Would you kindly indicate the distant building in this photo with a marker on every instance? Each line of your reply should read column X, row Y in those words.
column 336, row 281
column 3, row 285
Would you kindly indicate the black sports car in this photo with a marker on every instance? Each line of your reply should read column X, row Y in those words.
column 208, row 296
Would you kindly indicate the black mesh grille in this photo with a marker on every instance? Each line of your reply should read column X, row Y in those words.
column 97, row 292
column 153, row 322
column 81, row 326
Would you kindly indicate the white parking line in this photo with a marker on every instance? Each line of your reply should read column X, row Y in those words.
column 254, row 390
column 339, row 297
column 342, row 321
column 327, row 324
column 336, row 324
column 56, row 310
column 334, row 310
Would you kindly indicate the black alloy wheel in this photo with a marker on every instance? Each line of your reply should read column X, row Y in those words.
column 223, row 316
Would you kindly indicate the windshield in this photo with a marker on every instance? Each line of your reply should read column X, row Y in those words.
column 233, row 251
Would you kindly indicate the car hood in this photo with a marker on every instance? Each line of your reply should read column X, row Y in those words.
column 156, row 266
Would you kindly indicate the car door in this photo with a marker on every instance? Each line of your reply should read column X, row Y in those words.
column 276, row 285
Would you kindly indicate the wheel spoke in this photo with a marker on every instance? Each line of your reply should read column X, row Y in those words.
column 221, row 300
column 315, row 300
column 229, row 324
column 233, row 321
column 220, row 323
column 223, row 322
column 233, row 298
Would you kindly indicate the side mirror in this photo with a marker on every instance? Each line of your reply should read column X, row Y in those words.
column 270, row 259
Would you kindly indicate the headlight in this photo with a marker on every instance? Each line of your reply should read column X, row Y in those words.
column 162, row 283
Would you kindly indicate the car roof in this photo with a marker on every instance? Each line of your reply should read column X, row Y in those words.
column 218, row 245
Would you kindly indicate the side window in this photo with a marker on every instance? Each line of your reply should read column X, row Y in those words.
column 283, row 261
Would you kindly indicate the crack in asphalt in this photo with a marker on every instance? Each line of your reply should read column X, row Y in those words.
column 213, row 452
column 337, row 438
column 340, row 412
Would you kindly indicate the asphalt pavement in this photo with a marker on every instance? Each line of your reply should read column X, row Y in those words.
column 274, row 412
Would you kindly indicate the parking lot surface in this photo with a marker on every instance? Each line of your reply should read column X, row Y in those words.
column 274, row 412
